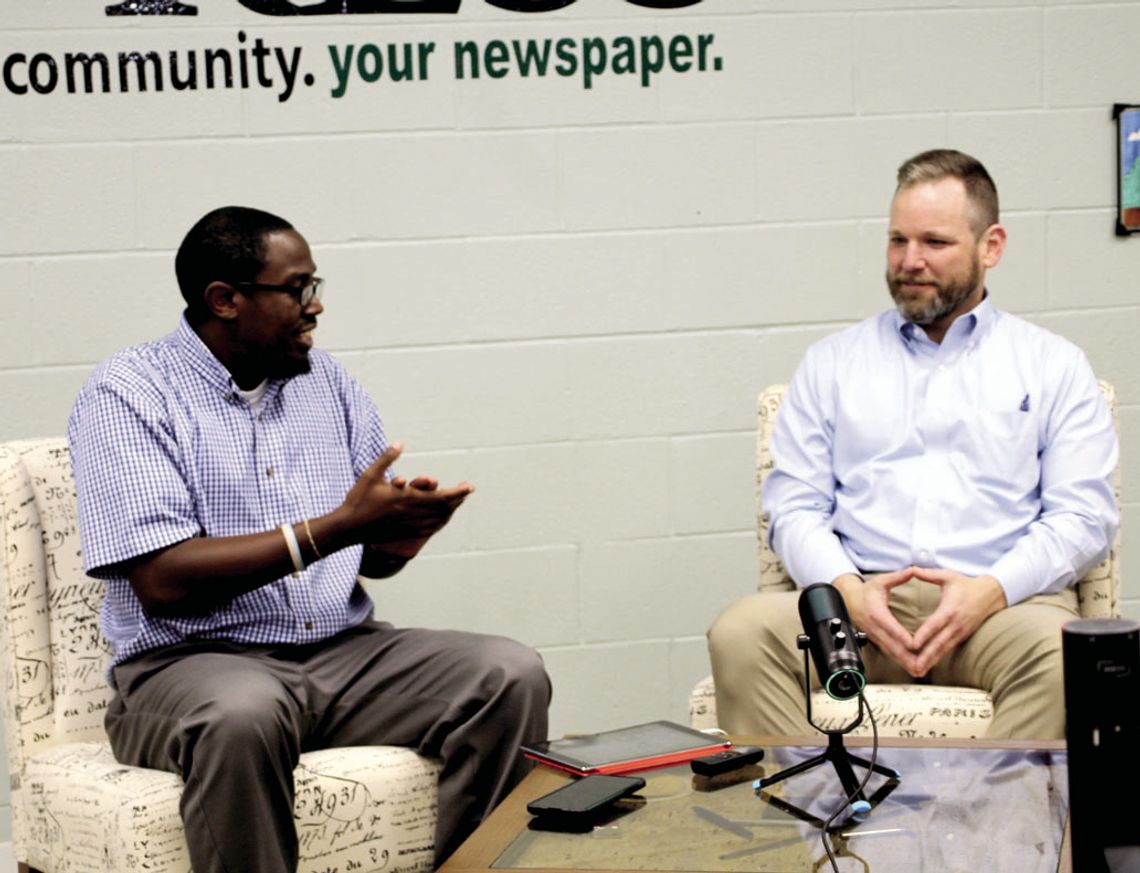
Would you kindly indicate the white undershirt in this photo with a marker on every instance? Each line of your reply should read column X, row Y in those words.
column 254, row 395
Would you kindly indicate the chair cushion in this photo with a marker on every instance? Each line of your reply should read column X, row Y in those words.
column 900, row 710
column 371, row 806
column 911, row 711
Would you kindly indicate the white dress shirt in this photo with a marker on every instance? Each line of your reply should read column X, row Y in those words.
column 992, row 453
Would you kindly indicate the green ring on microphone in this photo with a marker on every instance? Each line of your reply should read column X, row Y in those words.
column 839, row 674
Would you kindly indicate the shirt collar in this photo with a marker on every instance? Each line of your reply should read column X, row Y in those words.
column 969, row 326
column 202, row 359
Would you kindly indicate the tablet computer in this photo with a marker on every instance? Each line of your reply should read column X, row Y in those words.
column 640, row 747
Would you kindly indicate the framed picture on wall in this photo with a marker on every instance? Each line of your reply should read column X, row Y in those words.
column 1127, row 168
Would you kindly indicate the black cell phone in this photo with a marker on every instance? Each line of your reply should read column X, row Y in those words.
column 585, row 796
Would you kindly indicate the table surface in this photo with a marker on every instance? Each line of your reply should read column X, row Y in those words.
column 1021, row 797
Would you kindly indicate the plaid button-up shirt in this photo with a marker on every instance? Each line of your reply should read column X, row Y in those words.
column 164, row 448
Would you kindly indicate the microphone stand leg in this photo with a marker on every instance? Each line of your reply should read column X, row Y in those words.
column 836, row 753
column 793, row 770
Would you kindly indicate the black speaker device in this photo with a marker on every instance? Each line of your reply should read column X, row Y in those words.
column 1102, row 731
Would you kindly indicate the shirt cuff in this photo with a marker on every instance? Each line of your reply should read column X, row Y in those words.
column 825, row 567
column 1016, row 576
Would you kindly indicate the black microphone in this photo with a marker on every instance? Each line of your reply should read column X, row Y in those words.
column 833, row 642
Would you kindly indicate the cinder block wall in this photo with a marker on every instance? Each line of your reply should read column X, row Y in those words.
column 567, row 295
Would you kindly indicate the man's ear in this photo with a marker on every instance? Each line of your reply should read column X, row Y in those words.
column 219, row 297
column 993, row 245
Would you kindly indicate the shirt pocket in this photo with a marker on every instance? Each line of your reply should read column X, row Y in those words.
column 1001, row 449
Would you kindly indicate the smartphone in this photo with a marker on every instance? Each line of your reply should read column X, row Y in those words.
column 584, row 796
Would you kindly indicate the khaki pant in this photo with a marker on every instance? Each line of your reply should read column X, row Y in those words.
column 1015, row 655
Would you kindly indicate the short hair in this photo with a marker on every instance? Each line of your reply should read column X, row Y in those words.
column 936, row 164
column 226, row 244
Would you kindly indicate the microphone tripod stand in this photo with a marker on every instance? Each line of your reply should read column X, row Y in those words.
column 841, row 759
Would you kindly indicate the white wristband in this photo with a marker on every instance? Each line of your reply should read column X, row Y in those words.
column 294, row 548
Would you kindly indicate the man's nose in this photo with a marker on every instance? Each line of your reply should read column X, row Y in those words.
column 913, row 260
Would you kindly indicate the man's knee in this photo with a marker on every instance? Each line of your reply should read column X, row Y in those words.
column 1036, row 655
column 516, row 668
column 1027, row 687
column 1023, row 637
column 533, row 690
column 525, row 668
column 759, row 622
column 735, row 626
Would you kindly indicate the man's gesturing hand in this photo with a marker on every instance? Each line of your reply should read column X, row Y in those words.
column 868, row 603
column 966, row 602
column 397, row 514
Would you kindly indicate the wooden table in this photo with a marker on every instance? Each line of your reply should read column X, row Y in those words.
column 510, row 819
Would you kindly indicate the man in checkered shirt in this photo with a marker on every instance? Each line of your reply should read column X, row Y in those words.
column 233, row 482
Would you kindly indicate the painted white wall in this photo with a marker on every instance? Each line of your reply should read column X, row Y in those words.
column 571, row 297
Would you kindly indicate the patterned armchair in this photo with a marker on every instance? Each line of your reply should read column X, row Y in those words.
column 74, row 808
column 900, row 710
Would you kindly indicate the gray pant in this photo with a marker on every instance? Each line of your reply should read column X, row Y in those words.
column 232, row 719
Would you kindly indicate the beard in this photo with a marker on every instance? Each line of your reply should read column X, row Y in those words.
column 286, row 364
column 948, row 294
column 287, row 368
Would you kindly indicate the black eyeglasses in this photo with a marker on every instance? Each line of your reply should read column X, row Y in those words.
column 303, row 294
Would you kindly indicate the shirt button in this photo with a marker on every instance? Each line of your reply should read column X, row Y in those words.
column 269, row 471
